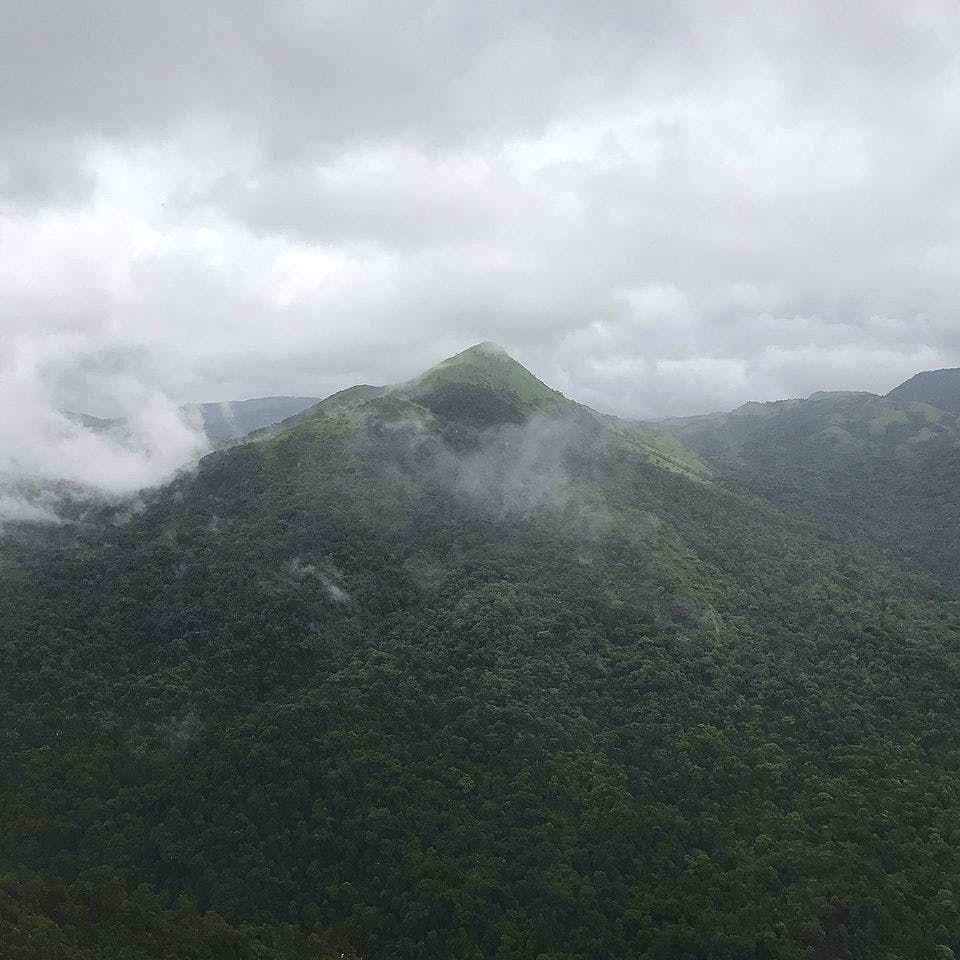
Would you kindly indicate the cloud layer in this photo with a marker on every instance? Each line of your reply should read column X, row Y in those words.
column 660, row 208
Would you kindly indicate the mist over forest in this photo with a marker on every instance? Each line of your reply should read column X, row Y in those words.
column 479, row 481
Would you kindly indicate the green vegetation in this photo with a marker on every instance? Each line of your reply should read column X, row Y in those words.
column 462, row 669
column 96, row 918
column 488, row 365
column 881, row 472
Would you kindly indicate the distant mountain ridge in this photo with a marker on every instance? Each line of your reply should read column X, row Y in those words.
column 488, row 366
column 939, row 388
column 884, row 466
column 234, row 419
column 853, row 422
column 221, row 422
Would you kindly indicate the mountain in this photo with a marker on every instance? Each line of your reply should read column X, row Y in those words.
column 485, row 387
column 461, row 668
column 938, row 388
column 88, row 422
column 482, row 385
column 233, row 419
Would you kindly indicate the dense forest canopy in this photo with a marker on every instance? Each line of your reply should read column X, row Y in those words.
column 463, row 669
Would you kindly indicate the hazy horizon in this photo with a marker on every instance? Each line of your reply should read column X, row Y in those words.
column 292, row 393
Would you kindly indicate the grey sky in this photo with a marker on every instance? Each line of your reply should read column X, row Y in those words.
column 660, row 208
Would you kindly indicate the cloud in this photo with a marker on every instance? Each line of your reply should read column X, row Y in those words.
column 661, row 209
column 21, row 507
column 45, row 454
column 520, row 468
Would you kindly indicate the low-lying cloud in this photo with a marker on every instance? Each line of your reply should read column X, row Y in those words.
column 297, row 572
column 526, row 469
column 521, row 468
column 45, row 453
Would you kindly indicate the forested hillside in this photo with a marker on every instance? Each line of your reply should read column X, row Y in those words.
column 463, row 669
column 880, row 472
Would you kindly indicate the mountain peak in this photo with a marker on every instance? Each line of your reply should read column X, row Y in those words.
column 487, row 348
column 483, row 383
column 479, row 355
column 489, row 364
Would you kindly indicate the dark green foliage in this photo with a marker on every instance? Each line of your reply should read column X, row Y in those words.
column 402, row 685
column 96, row 918
column 882, row 472
column 474, row 405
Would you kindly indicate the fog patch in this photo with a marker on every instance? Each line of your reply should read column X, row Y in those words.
column 29, row 500
column 298, row 572
column 507, row 470
column 185, row 728
column 17, row 507
column 389, row 432
column 43, row 448
column 425, row 571
column 130, row 510
column 522, row 465
column 527, row 469
column 334, row 593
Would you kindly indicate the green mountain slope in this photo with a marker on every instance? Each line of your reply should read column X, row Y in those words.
column 472, row 671
column 881, row 470
column 852, row 424
column 938, row 388
column 484, row 387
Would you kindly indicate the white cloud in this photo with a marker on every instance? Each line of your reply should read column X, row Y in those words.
column 41, row 447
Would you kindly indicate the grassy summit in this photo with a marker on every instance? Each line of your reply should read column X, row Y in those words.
column 488, row 366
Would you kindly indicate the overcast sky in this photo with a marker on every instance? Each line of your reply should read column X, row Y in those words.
column 661, row 208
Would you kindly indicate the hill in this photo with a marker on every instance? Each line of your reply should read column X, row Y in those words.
column 485, row 387
column 883, row 470
column 233, row 419
column 461, row 668
column 938, row 388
